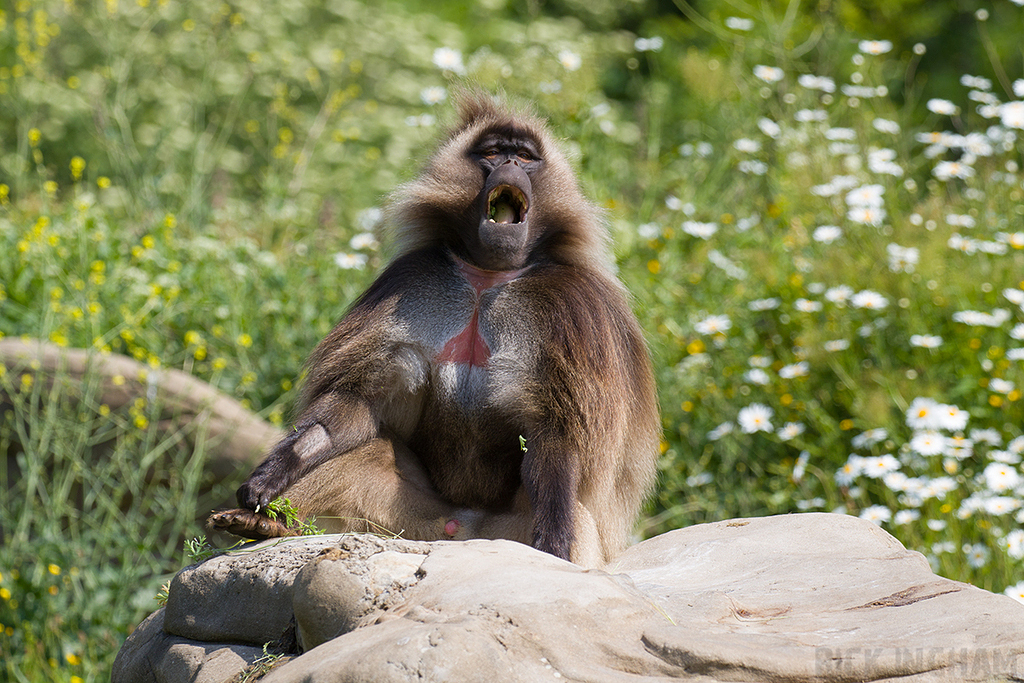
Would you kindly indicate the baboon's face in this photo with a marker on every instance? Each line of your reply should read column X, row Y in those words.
column 508, row 163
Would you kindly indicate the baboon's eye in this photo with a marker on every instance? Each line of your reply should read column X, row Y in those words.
column 523, row 155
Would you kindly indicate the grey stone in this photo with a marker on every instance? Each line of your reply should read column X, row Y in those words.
column 152, row 654
column 242, row 596
column 811, row 597
column 338, row 590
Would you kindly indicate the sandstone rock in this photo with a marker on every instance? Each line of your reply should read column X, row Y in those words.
column 242, row 596
column 151, row 654
column 811, row 597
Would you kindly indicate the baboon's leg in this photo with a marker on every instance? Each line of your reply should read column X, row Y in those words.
column 379, row 487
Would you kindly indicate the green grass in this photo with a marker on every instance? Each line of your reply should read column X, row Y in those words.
column 182, row 183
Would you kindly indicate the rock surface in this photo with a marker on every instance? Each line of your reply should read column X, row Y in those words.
column 811, row 597
column 233, row 437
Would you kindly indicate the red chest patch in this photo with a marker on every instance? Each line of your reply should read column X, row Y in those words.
column 468, row 346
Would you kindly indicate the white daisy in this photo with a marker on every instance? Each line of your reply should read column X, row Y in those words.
column 714, row 324
column 350, row 261
column 791, row 430
column 906, row 517
column 449, row 59
column 878, row 466
column 928, row 443
column 1012, row 114
column 926, row 341
column 977, row 555
column 569, row 60
column 942, row 107
column 877, row 514
column 757, row 376
column 874, row 47
column 1016, row 591
column 794, row 370
column 827, row 234
column 769, row 74
column 1013, row 544
column 755, row 418
column 721, row 430
column 869, row 300
column 1000, row 477
column 697, row 229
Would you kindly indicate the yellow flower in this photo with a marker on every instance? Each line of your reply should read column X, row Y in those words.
column 73, row 659
column 53, row 569
column 5, row 594
column 103, row 182
column 244, row 340
column 77, row 166
column 50, row 187
column 34, row 135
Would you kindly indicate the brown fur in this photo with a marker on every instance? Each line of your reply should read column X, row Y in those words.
column 395, row 434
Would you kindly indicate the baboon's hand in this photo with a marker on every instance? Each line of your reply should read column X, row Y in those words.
column 275, row 474
column 261, row 488
column 248, row 524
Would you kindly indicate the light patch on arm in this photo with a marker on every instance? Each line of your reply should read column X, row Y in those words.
column 313, row 442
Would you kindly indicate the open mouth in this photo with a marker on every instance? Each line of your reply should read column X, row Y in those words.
column 507, row 204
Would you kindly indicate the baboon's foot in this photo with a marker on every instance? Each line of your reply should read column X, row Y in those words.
column 249, row 524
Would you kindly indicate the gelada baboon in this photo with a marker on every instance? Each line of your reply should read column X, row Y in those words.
column 492, row 382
